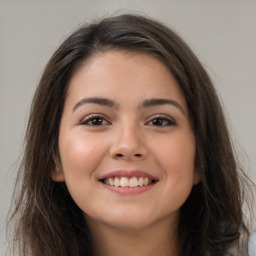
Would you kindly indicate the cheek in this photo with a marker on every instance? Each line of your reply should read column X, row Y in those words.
column 177, row 153
column 176, row 158
column 80, row 155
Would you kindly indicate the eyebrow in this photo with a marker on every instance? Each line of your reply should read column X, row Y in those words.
column 157, row 102
column 96, row 100
column 112, row 104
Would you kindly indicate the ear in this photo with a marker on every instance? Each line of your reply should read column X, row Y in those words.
column 57, row 173
column 197, row 177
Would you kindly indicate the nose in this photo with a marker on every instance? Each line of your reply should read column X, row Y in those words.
column 128, row 144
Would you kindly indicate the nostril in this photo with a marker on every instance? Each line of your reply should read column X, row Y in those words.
column 119, row 155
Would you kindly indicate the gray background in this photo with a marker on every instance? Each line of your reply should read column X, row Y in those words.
column 222, row 33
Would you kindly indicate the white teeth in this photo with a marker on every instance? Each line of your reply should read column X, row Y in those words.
column 146, row 180
column 110, row 181
column 141, row 181
column 116, row 182
column 126, row 182
column 134, row 182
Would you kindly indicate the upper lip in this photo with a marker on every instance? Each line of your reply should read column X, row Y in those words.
column 128, row 174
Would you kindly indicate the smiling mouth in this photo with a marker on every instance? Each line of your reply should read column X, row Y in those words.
column 128, row 182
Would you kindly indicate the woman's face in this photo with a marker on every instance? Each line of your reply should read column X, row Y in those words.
column 126, row 145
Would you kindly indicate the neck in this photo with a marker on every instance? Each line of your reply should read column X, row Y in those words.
column 158, row 239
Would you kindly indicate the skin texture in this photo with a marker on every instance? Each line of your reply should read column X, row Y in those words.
column 157, row 139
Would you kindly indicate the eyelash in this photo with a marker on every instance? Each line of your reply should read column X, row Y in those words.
column 168, row 121
column 94, row 117
column 158, row 121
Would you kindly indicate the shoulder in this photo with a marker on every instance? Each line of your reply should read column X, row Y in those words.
column 240, row 248
column 252, row 244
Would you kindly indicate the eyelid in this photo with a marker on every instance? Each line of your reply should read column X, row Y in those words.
column 94, row 115
column 162, row 116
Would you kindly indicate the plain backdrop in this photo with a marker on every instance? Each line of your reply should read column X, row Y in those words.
column 221, row 33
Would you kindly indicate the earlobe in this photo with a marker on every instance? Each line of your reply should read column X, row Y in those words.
column 57, row 174
column 197, row 177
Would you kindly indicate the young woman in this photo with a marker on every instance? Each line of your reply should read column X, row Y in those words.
column 127, row 151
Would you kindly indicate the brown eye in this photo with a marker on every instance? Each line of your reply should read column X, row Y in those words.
column 95, row 121
column 161, row 121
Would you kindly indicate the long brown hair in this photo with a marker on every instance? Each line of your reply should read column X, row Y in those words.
column 48, row 222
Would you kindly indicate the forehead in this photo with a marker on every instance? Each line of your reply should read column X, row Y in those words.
column 124, row 73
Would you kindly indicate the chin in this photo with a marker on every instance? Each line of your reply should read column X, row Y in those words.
column 129, row 225
column 127, row 220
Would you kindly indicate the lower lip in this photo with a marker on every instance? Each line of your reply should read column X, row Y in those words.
column 129, row 191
